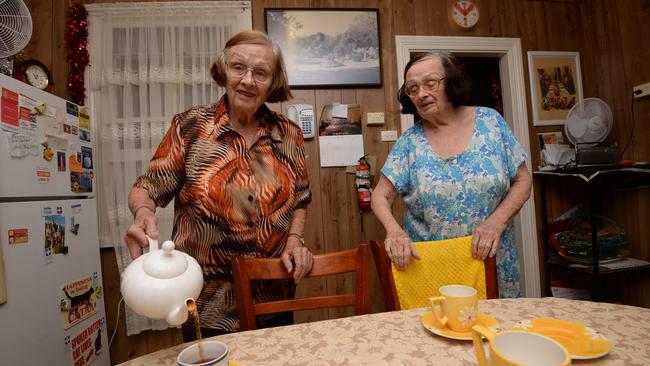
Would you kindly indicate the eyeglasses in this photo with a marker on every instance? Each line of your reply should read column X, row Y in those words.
column 412, row 88
column 240, row 70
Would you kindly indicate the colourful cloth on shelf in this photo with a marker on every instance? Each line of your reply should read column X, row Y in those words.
column 444, row 262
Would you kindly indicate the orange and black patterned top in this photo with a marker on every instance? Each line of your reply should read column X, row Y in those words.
column 229, row 199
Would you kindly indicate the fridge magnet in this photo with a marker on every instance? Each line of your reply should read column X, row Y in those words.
column 18, row 236
column 9, row 108
column 55, row 234
column 79, row 300
column 47, row 255
column 75, row 172
column 76, row 209
column 88, row 344
column 39, row 109
column 60, row 159
column 84, row 135
column 72, row 109
column 84, row 118
column 74, row 225
column 86, row 158
column 66, row 128
column 74, row 130
column 43, row 175
column 48, row 154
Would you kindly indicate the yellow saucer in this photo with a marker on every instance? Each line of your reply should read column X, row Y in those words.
column 582, row 342
column 433, row 325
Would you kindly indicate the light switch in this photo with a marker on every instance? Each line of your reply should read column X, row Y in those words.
column 390, row 135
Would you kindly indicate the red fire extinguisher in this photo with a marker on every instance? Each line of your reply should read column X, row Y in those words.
column 364, row 184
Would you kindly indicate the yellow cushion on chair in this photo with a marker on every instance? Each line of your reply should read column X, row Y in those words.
column 444, row 262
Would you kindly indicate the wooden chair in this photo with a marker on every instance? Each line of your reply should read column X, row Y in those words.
column 391, row 299
column 352, row 260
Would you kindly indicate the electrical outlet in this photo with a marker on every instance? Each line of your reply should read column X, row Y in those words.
column 642, row 90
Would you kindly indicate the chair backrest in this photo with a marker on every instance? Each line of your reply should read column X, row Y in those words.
column 387, row 281
column 353, row 260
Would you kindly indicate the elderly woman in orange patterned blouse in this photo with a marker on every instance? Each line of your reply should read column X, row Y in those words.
column 238, row 175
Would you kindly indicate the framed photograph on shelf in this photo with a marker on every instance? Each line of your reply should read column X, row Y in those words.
column 556, row 85
column 328, row 48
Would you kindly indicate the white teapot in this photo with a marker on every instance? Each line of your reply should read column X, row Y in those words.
column 158, row 284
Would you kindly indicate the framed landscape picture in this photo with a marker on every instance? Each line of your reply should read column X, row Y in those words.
column 556, row 85
column 328, row 48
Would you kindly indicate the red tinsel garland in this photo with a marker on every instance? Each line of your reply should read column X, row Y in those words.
column 76, row 44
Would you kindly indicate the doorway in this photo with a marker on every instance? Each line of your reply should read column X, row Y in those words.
column 511, row 70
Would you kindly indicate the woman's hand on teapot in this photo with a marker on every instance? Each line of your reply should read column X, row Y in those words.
column 297, row 258
column 144, row 224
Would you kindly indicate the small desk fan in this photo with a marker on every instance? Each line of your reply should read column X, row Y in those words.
column 15, row 27
column 587, row 125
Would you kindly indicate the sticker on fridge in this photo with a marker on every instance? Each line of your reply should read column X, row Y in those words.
column 79, row 300
column 43, row 175
column 18, row 236
column 55, row 234
column 60, row 161
column 9, row 110
column 88, row 344
column 84, row 118
column 80, row 177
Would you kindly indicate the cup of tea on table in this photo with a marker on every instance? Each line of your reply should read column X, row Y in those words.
column 513, row 348
column 215, row 353
column 456, row 307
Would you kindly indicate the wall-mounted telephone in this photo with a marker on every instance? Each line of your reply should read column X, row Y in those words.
column 303, row 116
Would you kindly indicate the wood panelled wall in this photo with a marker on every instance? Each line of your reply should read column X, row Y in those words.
column 609, row 35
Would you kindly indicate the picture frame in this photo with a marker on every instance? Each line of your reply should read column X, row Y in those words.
column 328, row 48
column 555, row 85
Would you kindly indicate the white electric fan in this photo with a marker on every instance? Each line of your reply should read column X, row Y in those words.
column 587, row 124
column 15, row 27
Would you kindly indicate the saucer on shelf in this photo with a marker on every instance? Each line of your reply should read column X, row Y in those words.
column 434, row 326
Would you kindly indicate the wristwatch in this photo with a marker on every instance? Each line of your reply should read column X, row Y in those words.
column 299, row 237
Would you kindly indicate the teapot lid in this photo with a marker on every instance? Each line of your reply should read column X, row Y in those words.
column 165, row 263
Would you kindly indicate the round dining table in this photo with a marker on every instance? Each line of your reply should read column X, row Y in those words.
column 400, row 338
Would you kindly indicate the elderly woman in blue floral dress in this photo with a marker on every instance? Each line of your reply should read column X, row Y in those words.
column 459, row 170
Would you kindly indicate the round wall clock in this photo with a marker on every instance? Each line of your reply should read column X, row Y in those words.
column 464, row 14
column 36, row 74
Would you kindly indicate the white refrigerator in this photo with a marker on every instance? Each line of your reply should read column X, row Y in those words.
column 51, row 296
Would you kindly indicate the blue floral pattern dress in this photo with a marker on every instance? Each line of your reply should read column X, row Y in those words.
column 448, row 198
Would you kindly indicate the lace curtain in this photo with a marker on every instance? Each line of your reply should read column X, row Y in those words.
column 148, row 61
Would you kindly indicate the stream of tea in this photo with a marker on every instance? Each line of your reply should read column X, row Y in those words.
column 194, row 313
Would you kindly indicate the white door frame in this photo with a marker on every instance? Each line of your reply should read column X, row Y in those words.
column 511, row 68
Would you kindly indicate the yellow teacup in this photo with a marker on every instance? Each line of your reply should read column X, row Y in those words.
column 518, row 348
column 457, row 308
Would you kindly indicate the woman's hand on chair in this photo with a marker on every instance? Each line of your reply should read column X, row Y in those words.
column 400, row 249
column 486, row 238
column 297, row 258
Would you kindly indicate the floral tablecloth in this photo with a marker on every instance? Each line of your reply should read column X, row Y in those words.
column 398, row 338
